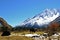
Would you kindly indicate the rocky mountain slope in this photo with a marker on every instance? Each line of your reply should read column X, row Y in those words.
column 44, row 18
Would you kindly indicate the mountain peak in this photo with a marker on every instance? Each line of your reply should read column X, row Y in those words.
column 49, row 12
column 44, row 17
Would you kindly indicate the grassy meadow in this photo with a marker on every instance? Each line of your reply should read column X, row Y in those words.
column 27, row 32
column 18, row 37
column 14, row 38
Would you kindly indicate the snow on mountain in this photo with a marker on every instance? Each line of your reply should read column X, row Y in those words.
column 45, row 17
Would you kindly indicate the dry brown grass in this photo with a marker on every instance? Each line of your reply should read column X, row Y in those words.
column 27, row 32
column 14, row 38
column 18, row 37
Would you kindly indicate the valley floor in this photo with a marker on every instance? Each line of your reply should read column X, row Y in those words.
column 15, row 36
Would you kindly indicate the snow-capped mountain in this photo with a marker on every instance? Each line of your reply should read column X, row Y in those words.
column 57, row 20
column 45, row 17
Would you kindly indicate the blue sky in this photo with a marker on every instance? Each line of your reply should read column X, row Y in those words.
column 16, row 11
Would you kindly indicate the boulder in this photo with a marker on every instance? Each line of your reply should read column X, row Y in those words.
column 5, row 33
